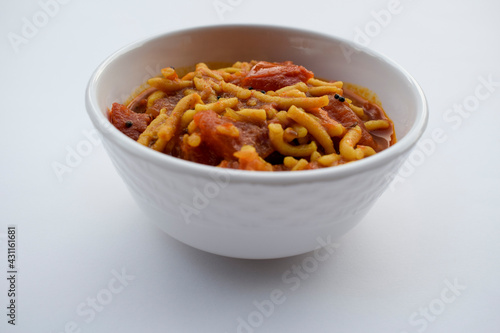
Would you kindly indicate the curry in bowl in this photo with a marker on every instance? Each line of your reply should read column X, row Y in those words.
column 255, row 115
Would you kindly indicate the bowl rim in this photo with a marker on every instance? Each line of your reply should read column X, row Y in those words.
column 105, row 127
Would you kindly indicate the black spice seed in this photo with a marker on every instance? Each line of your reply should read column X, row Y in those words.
column 128, row 124
column 250, row 88
column 263, row 91
column 341, row 99
column 336, row 96
column 218, row 97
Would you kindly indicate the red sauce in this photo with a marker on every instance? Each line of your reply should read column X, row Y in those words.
column 167, row 103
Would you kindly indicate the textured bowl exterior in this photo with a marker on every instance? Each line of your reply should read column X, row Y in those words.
column 255, row 214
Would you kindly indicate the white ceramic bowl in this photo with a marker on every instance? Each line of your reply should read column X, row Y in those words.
column 255, row 214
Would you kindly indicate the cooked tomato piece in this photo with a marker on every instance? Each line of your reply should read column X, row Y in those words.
column 273, row 76
column 130, row 123
column 225, row 146
column 344, row 115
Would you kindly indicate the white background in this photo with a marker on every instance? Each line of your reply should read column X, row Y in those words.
column 436, row 227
